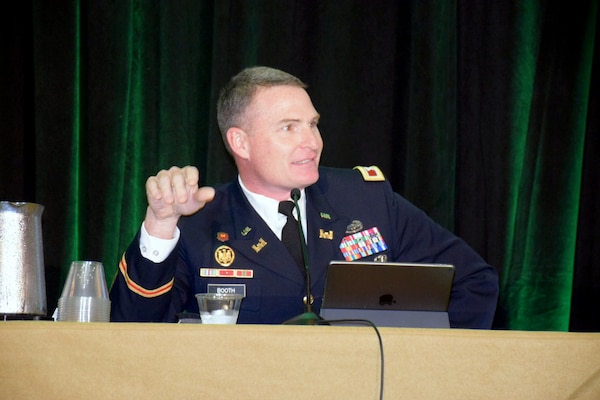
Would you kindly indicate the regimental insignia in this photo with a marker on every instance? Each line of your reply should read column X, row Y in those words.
column 224, row 256
column 222, row 236
column 381, row 258
column 371, row 174
column 325, row 235
column 325, row 215
column 246, row 231
column 355, row 226
column 259, row 246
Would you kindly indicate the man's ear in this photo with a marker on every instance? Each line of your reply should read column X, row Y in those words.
column 237, row 139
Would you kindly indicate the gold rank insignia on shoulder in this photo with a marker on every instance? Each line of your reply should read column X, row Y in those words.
column 370, row 174
column 224, row 256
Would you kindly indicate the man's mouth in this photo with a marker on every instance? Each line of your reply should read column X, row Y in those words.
column 302, row 162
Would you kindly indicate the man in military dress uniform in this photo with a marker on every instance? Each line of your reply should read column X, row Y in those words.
column 203, row 239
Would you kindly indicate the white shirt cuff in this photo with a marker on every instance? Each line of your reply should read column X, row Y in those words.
column 156, row 249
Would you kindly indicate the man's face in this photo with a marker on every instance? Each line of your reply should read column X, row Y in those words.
column 282, row 142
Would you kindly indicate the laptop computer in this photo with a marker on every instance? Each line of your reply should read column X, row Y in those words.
column 388, row 294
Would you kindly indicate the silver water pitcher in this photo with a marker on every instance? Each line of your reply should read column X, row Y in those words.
column 22, row 279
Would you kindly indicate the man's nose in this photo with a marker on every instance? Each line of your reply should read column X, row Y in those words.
column 311, row 137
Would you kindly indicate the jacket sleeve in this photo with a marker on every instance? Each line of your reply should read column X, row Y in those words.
column 419, row 239
column 144, row 291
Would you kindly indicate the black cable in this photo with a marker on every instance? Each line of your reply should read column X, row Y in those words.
column 364, row 322
column 295, row 195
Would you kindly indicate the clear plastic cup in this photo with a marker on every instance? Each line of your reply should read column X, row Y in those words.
column 86, row 279
column 85, row 294
column 219, row 308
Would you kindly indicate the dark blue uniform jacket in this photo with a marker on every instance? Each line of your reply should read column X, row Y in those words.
column 142, row 290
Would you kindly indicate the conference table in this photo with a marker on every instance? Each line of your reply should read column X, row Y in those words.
column 69, row 360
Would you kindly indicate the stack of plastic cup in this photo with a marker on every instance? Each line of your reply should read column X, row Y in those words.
column 85, row 294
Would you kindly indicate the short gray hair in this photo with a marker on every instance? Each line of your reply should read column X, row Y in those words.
column 237, row 94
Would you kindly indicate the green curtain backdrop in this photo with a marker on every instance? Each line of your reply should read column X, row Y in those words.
column 481, row 113
column 541, row 231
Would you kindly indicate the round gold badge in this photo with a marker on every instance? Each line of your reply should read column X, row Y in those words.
column 224, row 255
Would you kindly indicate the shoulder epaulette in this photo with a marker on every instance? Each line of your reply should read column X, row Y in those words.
column 371, row 174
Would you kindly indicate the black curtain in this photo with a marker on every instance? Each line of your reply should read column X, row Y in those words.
column 483, row 113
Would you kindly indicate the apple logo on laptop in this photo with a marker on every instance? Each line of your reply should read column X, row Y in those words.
column 386, row 300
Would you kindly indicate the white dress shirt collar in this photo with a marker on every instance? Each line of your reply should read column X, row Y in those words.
column 268, row 209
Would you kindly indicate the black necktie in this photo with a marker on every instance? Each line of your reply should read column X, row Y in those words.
column 290, row 235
